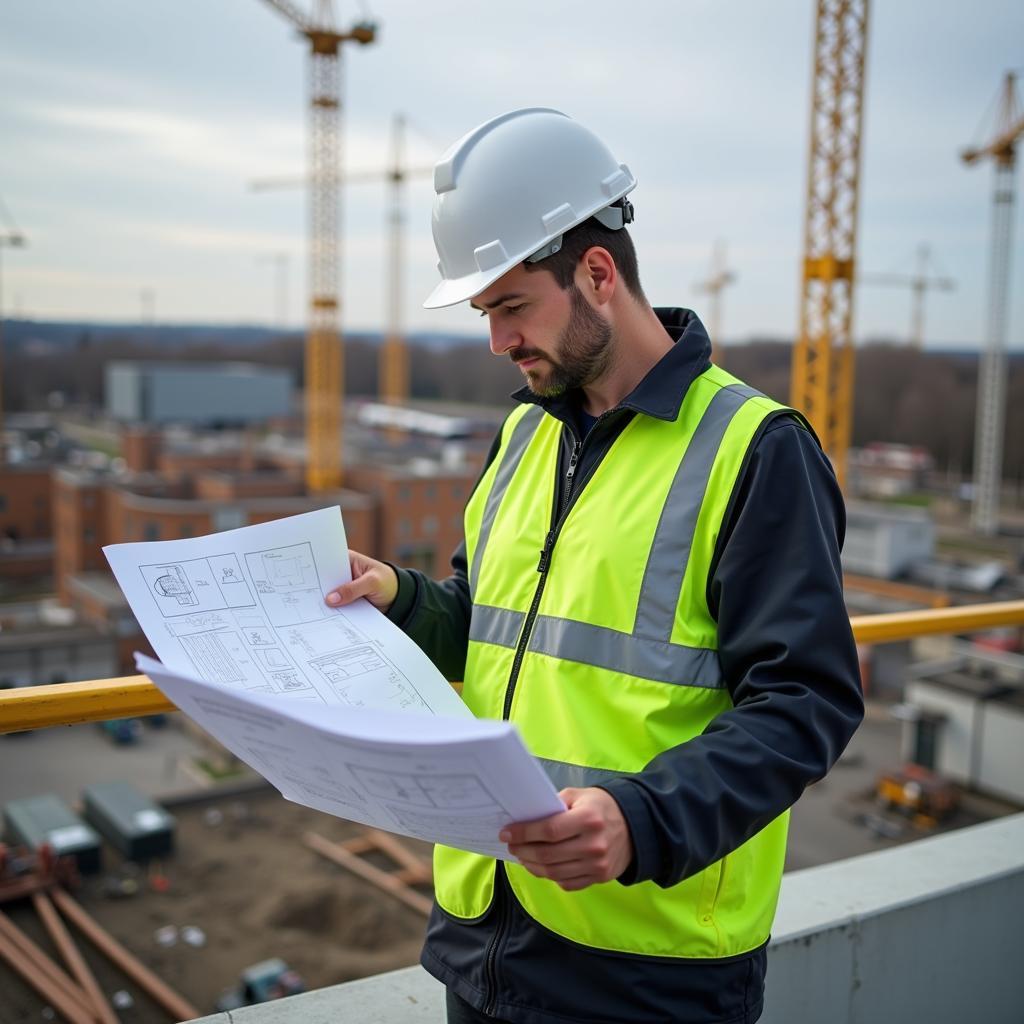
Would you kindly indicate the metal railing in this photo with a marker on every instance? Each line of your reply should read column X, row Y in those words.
column 98, row 700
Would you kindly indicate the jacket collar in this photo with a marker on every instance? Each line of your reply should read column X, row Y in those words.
column 661, row 392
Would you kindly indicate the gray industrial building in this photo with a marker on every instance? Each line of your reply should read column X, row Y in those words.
column 965, row 720
column 207, row 394
column 886, row 542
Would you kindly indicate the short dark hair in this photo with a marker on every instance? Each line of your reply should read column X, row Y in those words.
column 576, row 241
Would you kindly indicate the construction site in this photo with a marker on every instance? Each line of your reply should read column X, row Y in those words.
column 148, row 874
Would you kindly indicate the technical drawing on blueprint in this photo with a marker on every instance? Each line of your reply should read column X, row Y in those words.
column 443, row 779
column 245, row 609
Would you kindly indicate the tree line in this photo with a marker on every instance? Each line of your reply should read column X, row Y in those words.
column 901, row 395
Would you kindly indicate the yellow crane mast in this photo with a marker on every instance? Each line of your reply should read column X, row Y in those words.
column 394, row 359
column 822, row 373
column 324, row 354
column 991, row 415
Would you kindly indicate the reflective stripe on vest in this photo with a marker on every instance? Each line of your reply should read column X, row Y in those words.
column 621, row 660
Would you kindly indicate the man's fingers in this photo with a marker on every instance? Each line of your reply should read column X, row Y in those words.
column 376, row 581
column 555, row 829
column 551, row 854
column 348, row 592
column 566, row 824
column 575, row 873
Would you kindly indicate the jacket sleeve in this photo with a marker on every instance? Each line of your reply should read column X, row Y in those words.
column 435, row 614
column 788, row 658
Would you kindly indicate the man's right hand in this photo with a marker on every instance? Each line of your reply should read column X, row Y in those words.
column 376, row 581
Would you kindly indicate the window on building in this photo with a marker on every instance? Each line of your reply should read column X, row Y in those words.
column 419, row 557
column 3, row 502
column 89, row 535
column 151, row 531
column 403, row 492
column 186, row 530
column 429, row 525
column 404, row 528
column 228, row 518
column 39, row 502
column 430, row 492
column 457, row 492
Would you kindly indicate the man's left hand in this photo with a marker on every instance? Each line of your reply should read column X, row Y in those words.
column 587, row 843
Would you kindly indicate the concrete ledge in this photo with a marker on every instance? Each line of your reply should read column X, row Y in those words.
column 929, row 931
column 408, row 996
column 924, row 932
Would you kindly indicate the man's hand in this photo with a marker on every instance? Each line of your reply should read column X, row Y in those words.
column 588, row 842
column 371, row 579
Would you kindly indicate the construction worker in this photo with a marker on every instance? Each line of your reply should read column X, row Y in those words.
column 649, row 588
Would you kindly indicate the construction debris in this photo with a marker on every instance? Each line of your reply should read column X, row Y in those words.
column 70, row 991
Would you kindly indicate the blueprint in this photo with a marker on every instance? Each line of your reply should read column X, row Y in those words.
column 449, row 780
column 245, row 610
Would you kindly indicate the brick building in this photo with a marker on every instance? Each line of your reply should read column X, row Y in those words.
column 403, row 501
column 26, row 544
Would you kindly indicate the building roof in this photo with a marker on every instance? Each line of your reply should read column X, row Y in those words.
column 100, row 586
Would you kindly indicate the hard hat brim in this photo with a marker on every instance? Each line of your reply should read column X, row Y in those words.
column 451, row 293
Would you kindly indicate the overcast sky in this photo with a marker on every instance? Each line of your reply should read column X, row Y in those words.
column 130, row 130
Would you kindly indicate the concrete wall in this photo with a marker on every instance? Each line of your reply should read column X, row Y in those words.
column 980, row 742
column 1001, row 758
column 924, row 932
column 956, row 734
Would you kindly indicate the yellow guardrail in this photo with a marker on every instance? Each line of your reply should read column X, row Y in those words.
column 36, row 707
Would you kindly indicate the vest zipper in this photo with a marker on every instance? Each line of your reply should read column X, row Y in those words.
column 491, row 957
column 542, row 568
column 500, row 878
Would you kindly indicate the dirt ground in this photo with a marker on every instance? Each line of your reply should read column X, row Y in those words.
column 242, row 875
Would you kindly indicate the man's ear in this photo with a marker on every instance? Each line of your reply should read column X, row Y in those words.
column 596, row 274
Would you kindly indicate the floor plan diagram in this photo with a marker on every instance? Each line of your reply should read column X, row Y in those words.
column 245, row 609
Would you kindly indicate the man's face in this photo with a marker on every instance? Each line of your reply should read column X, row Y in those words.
column 555, row 337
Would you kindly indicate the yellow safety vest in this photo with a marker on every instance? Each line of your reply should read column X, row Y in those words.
column 618, row 660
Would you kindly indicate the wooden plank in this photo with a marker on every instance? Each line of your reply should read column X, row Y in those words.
column 176, row 1005
column 401, row 854
column 102, row 1009
column 19, row 888
column 54, row 994
column 41, row 962
column 382, row 879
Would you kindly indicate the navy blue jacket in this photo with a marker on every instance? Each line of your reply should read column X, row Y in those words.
column 788, row 657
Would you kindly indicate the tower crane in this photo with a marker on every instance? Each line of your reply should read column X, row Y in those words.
column 822, row 371
column 719, row 278
column 394, row 360
column 13, row 238
column 324, row 354
column 991, row 413
column 919, row 283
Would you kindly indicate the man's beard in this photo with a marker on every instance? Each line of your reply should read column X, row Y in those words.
column 582, row 354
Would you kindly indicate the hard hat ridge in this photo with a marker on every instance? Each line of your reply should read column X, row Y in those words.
column 509, row 189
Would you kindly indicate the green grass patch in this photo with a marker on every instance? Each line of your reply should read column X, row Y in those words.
column 913, row 500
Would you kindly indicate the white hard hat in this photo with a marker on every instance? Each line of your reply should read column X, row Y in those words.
column 509, row 189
